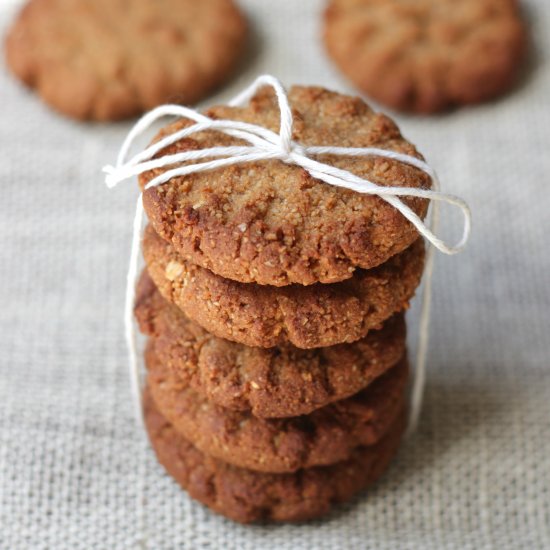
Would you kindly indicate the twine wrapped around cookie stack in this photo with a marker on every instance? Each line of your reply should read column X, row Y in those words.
column 278, row 268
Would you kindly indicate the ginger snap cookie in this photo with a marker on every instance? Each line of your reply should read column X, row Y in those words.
column 270, row 383
column 427, row 55
column 246, row 496
column 112, row 59
column 265, row 316
column 326, row 436
column 273, row 223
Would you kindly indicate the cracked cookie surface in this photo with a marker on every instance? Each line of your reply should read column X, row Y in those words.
column 326, row 436
column 270, row 383
column 110, row 59
column 272, row 223
column 306, row 316
column 246, row 496
column 427, row 55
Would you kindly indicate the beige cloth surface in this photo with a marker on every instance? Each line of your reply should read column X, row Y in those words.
column 477, row 473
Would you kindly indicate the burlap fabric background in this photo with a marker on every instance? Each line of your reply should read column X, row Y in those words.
column 477, row 473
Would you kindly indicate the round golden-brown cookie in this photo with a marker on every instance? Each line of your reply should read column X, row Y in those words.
column 272, row 223
column 326, row 436
column 246, row 496
column 306, row 316
column 270, row 383
column 427, row 55
column 112, row 59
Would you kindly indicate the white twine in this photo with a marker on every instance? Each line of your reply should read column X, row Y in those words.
column 264, row 144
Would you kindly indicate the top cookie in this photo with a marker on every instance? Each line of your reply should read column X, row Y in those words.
column 272, row 223
column 111, row 59
column 427, row 55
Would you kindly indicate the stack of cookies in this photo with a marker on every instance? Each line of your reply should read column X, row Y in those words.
column 274, row 303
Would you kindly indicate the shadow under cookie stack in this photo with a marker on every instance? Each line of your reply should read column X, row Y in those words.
column 274, row 306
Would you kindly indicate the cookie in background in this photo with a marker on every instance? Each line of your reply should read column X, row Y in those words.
column 428, row 55
column 110, row 59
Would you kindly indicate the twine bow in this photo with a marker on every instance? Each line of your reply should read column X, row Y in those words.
column 264, row 144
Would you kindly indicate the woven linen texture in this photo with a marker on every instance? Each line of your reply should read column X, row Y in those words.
column 477, row 473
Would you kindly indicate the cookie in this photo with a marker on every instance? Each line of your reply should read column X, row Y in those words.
column 427, row 55
column 110, row 59
column 272, row 223
column 270, row 383
column 326, row 436
column 246, row 496
column 305, row 316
